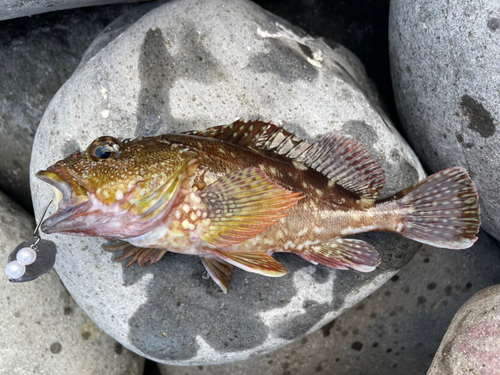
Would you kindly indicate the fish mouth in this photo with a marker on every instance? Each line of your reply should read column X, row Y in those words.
column 69, row 204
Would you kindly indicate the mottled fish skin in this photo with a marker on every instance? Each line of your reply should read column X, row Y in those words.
column 235, row 194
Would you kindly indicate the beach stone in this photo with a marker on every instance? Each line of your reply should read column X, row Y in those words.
column 360, row 26
column 14, row 9
column 37, row 55
column 444, row 62
column 396, row 330
column 42, row 330
column 188, row 65
column 472, row 342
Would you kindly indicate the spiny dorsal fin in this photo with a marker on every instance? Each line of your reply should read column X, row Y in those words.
column 241, row 205
column 263, row 137
column 341, row 159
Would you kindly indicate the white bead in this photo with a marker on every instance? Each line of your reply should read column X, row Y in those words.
column 15, row 269
column 26, row 255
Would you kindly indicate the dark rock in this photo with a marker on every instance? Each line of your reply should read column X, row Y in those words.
column 14, row 9
column 444, row 59
column 37, row 55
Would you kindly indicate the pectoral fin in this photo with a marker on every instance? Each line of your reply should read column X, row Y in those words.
column 241, row 205
column 253, row 262
column 219, row 270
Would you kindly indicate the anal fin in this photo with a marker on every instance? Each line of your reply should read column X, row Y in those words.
column 343, row 253
column 255, row 262
column 219, row 270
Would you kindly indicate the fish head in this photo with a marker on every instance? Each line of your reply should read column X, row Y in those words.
column 116, row 188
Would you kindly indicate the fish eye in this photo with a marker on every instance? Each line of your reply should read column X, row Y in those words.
column 104, row 148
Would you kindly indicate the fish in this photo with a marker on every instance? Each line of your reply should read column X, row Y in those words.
column 236, row 194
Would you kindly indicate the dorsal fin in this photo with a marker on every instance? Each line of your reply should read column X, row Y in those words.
column 341, row 159
column 347, row 162
column 263, row 137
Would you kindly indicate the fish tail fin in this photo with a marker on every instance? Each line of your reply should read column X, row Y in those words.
column 441, row 210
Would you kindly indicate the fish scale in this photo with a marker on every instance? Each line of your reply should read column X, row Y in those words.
column 235, row 194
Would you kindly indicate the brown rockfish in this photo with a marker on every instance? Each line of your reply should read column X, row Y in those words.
column 234, row 195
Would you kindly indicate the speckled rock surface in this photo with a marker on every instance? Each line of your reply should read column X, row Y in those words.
column 188, row 65
column 37, row 55
column 42, row 330
column 472, row 343
column 444, row 61
column 394, row 331
column 14, row 8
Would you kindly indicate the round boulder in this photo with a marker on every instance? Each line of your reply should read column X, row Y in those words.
column 472, row 343
column 444, row 63
column 189, row 65
column 42, row 329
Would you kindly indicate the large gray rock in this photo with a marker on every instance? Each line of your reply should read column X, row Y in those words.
column 444, row 61
column 42, row 330
column 37, row 55
column 14, row 8
column 472, row 343
column 190, row 65
column 396, row 330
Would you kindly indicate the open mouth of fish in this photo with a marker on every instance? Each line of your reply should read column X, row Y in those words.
column 69, row 206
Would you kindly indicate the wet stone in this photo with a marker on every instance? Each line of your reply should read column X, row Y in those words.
column 14, row 9
column 37, row 335
column 58, row 41
column 155, row 77
column 472, row 342
column 445, row 78
column 387, row 334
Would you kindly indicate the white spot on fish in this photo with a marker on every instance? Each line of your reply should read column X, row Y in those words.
column 119, row 194
column 299, row 166
column 105, row 113
column 302, row 232
column 318, row 230
column 273, row 170
column 187, row 225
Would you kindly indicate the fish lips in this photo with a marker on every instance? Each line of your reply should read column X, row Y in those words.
column 66, row 217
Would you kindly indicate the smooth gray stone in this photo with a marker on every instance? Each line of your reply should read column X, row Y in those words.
column 472, row 343
column 189, row 65
column 444, row 62
column 394, row 331
column 15, row 8
column 42, row 330
column 37, row 55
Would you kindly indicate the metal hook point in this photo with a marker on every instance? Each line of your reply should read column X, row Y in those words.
column 35, row 233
